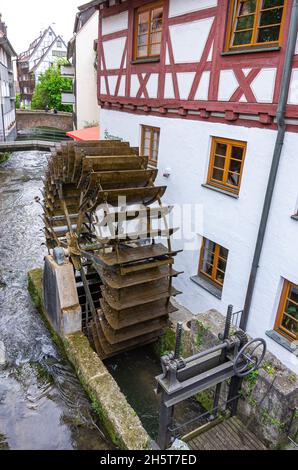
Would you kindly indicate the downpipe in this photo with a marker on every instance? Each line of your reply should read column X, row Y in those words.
column 281, row 125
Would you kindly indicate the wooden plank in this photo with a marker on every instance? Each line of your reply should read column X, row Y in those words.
column 116, row 337
column 148, row 213
column 230, row 434
column 118, row 320
column 117, row 281
column 129, row 254
column 141, row 296
column 134, row 236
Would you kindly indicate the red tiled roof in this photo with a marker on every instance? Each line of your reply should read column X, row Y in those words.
column 90, row 133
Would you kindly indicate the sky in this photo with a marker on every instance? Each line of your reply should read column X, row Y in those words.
column 26, row 18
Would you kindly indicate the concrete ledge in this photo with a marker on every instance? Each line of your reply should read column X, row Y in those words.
column 117, row 416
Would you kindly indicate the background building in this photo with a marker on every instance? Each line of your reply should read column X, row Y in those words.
column 7, row 92
column 82, row 52
column 196, row 84
column 41, row 54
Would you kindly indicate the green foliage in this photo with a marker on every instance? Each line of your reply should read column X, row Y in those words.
column 292, row 378
column 250, row 383
column 206, row 399
column 268, row 367
column 18, row 101
column 268, row 419
column 49, row 88
column 166, row 343
column 4, row 157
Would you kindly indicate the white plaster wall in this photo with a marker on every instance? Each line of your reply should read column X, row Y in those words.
column 179, row 7
column 86, row 81
column 279, row 259
column 189, row 39
column 233, row 223
column 49, row 59
column 113, row 51
column 46, row 42
column 293, row 93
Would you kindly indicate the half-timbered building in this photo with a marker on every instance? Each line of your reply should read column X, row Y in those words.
column 197, row 84
column 7, row 91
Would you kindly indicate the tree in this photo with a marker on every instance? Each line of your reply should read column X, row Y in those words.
column 49, row 88
column 18, row 101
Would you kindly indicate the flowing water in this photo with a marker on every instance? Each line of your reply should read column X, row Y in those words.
column 42, row 405
column 135, row 373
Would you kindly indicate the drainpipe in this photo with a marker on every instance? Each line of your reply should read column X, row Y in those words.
column 281, row 125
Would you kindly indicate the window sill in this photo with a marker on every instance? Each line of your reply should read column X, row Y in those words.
column 207, row 285
column 145, row 61
column 251, row 51
column 281, row 340
column 219, row 190
column 294, row 217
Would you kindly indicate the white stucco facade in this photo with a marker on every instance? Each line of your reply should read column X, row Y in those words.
column 87, row 108
column 231, row 222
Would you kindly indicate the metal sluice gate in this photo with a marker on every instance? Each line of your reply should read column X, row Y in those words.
column 182, row 378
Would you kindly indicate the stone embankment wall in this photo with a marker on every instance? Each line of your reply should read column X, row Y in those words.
column 117, row 416
column 35, row 118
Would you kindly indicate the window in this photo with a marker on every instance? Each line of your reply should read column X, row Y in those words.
column 59, row 43
column 148, row 31
column 256, row 23
column 213, row 262
column 287, row 315
column 59, row 54
column 226, row 164
column 150, row 143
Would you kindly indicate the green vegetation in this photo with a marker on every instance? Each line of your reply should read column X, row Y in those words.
column 268, row 367
column 250, row 382
column 35, row 287
column 166, row 343
column 49, row 88
column 18, row 101
column 292, row 378
column 267, row 419
column 202, row 331
column 205, row 399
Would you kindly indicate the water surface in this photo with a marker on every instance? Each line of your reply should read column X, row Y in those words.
column 42, row 405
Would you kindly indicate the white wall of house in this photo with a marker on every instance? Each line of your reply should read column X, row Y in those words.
column 230, row 222
column 86, row 78
column 51, row 57
column 45, row 43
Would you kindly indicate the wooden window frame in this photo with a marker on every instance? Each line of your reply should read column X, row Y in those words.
column 224, row 185
column 149, row 7
column 215, row 268
column 232, row 19
column 280, row 313
column 152, row 131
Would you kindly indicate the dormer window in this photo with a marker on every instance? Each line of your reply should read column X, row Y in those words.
column 148, row 31
column 256, row 23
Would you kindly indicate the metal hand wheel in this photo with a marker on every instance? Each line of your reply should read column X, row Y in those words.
column 246, row 355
